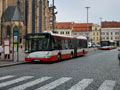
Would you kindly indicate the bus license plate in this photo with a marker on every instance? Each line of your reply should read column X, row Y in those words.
column 36, row 60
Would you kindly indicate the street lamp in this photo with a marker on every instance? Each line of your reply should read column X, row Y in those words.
column 87, row 21
column 53, row 13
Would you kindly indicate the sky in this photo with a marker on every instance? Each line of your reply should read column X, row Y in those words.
column 75, row 11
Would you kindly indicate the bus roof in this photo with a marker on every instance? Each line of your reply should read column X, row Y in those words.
column 64, row 36
column 48, row 33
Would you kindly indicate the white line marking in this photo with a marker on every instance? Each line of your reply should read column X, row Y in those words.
column 29, row 84
column 54, row 84
column 6, row 77
column 82, row 84
column 15, row 81
column 107, row 85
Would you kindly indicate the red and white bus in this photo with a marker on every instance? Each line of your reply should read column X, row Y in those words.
column 53, row 47
column 107, row 45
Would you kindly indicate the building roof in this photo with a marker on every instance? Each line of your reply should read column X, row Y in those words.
column 12, row 13
column 63, row 25
column 110, row 24
column 79, row 27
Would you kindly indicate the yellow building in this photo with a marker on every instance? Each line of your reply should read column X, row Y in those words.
column 95, row 33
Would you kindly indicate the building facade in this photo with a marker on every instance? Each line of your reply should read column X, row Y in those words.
column 81, row 29
column 110, row 31
column 38, row 16
column 15, row 13
column 96, row 37
column 64, row 28
column 33, row 13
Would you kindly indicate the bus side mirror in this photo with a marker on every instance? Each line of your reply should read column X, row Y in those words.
column 26, row 51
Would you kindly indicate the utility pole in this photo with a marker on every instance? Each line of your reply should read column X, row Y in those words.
column 53, row 15
column 26, row 21
column 100, row 30
column 87, row 22
column 3, row 8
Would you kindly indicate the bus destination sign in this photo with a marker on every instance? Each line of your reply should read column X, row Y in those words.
column 34, row 37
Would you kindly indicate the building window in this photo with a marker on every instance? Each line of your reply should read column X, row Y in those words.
column 116, row 38
column 97, row 33
column 93, row 38
column 111, row 38
column 116, row 33
column 103, row 38
column 75, row 33
column 56, row 32
column 97, row 38
column 103, row 33
column 8, row 30
column 107, row 38
column 111, row 33
column 107, row 33
column 67, row 32
column 61, row 32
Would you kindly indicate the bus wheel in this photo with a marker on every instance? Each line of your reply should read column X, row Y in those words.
column 59, row 57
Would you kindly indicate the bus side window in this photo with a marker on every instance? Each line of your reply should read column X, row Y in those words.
column 54, row 44
column 59, row 42
column 70, row 44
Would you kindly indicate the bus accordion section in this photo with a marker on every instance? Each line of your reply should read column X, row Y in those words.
column 54, row 47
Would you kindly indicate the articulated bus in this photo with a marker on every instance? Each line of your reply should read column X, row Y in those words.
column 107, row 45
column 48, row 46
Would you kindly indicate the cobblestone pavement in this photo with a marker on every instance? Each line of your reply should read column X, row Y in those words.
column 99, row 70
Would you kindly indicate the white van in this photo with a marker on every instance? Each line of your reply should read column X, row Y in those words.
column 89, row 44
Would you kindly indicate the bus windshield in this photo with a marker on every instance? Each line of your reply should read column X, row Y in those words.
column 39, row 45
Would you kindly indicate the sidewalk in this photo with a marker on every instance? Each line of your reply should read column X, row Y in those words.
column 5, row 63
column 9, row 63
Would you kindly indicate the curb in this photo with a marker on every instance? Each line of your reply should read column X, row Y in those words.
column 13, row 64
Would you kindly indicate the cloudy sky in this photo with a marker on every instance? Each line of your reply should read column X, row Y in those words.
column 74, row 10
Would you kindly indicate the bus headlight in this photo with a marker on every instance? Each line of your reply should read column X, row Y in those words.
column 27, row 55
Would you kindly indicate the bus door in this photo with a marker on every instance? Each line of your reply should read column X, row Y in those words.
column 75, row 47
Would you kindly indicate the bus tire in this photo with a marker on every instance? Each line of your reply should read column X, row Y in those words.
column 59, row 57
column 83, row 52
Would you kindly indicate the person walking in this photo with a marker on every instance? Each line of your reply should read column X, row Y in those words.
column 1, row 50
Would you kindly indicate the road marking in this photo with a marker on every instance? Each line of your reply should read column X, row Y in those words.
column 107, row 85
column 54, row 84
column 6, row 77
column 29, row 84
column 15, row 81
column 82, row 84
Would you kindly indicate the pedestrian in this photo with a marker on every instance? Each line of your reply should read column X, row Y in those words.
column 1, row 50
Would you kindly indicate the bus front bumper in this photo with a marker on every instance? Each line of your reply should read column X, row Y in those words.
column 52, row 58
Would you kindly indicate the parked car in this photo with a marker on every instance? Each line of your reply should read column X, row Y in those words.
column 93, row 45
column 97, row 45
